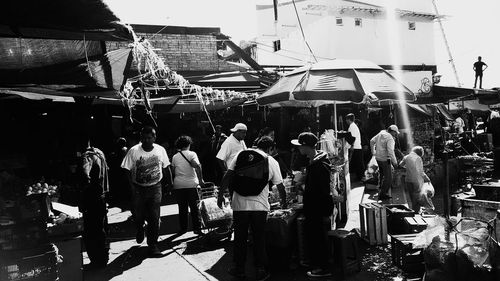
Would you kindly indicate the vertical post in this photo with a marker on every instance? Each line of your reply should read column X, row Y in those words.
column 335, row 117
column 318, row 121
column 446, row 190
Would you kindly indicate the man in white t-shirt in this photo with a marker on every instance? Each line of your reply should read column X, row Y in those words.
column 147, row 165
column 356, row 163
column 232, row 145
column 251, row 212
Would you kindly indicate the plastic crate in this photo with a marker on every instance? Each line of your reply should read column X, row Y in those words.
column 34, row 264
column 23, row 236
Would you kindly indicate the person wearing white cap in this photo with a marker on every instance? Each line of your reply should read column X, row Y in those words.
column 232, row 145
column 382, row 146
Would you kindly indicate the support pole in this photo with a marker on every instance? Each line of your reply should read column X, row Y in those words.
column 335, row 117
column 446, row 186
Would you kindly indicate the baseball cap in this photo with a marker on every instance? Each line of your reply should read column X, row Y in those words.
column 394, row 128
column 238, row 127
column 305, row 138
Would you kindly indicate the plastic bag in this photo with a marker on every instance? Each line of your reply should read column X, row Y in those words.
column 372, row 164
column 371, row 173
column 426, row 193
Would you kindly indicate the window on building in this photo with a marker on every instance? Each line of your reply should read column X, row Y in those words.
column 277, row 45
column 411, row 25
column 339, row 21
column 358, row 22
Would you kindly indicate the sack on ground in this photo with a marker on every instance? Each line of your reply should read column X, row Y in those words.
column 251, row 173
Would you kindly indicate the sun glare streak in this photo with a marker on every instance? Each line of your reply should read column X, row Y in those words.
column 393, row 29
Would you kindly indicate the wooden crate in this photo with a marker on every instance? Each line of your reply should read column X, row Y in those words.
column 373, row 222
column 480, row 209
column 404, row 255
column 395, row 217
column 415, row 224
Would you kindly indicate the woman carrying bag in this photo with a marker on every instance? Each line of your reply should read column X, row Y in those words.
column 188, row 177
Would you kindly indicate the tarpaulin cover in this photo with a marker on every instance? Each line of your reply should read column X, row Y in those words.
column 57, row 47
column 64, row 68
column 61, row 19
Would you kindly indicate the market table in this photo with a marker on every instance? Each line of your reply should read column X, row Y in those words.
column 281, row 235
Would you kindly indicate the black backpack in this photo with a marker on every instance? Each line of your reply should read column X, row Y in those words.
column 251, row 173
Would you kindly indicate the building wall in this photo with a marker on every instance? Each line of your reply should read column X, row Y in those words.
column 328, row 40
column 184, row 52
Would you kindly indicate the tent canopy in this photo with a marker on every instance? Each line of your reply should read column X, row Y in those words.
column 58, row 48
column 61, row 19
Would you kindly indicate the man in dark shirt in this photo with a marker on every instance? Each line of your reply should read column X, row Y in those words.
column 93, row 205
column 318, row 202
column 478, row 69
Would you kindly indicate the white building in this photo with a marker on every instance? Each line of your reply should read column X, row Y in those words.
column 402, row 35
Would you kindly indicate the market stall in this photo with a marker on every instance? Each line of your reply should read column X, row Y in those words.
column 39, row 238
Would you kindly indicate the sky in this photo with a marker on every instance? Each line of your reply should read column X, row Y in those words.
column 470, row 27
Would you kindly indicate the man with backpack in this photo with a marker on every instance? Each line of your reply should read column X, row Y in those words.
column 249, row 177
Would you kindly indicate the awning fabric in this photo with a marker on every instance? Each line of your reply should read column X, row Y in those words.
column 58, row 48
column 61, row 19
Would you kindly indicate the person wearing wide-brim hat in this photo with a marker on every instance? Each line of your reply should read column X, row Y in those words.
column 318, row 202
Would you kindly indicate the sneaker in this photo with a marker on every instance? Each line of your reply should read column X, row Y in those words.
column 236, row 272
column 139, row 236
column 319, row 273
column 154, row 251
column 262, row 275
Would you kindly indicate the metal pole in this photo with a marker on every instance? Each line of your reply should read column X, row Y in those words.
column 446, row 190
column 335, row 117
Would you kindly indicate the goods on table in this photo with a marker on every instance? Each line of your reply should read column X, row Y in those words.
column 38, row 188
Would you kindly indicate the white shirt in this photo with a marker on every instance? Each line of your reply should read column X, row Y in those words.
column 146, row 167
column 185, row 174
column 259, row 202
column 354, row 130
column 414, row 168
column 383, row 147
column 229, row 148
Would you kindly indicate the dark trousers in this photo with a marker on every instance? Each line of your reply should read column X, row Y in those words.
column 95, row 228
column 413, row 190
column 316, row 232
column 480, row 75
column 256, row 221
column 147, row 202
column 385, row 176
column 188, row 197
column 357, row 164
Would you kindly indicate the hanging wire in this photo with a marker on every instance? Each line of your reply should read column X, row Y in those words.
column 302, row 30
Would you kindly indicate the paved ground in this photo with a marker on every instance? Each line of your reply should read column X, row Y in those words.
column 189, row 257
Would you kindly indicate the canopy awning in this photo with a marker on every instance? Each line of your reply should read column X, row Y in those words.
column 61, row 19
